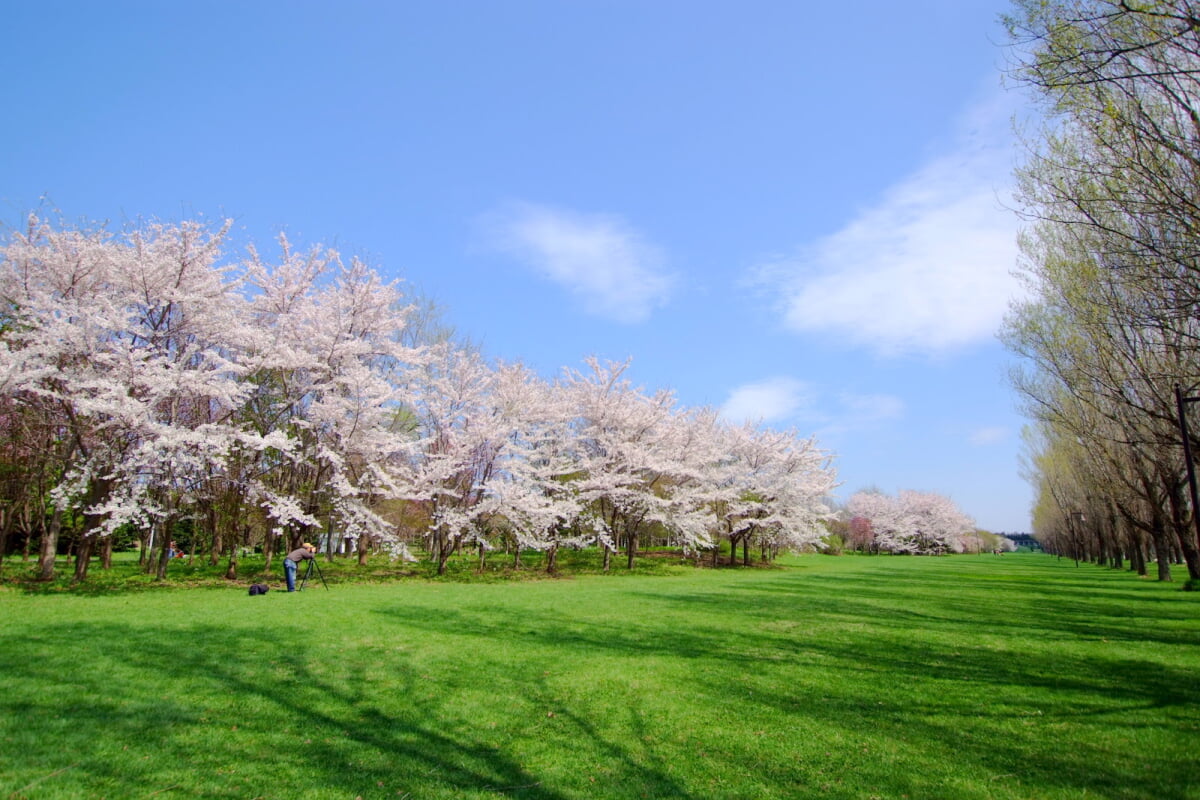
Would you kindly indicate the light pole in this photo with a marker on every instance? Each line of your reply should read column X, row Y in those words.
column 1180, row 402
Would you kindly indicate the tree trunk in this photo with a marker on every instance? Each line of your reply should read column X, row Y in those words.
column 146, row 562
column 1181, row 522
column 330, row 537
column 1137, row 553
column 631, row 549
column 106, row 553
column 49, row 546
column 271, row 544
column 215, row 538
column 232, row 569
column 443, row 553
column 1162, row 547
column 28, row 540
column 164, row 550
column 83, row 557
column 234, row 548
column 50, row 533
column 435, row 545
column 4, row 531
column 1191, row 556
column 145, row 540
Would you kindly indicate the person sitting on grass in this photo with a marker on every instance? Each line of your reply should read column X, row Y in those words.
column 304, row 551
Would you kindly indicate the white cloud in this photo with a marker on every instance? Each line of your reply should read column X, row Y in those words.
column 771, row 400
column 860, row 409
column 596, row 257
column 926, row 269
column 987, row 436
column 784, row 399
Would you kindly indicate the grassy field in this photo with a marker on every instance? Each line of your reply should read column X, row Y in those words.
column 1018, row 676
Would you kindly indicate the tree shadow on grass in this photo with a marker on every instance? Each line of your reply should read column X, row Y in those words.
column 880, row 672
column 1041, row 703
column 1122, row 609
column 227, row 714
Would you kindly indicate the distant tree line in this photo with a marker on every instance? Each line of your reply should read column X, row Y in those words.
column 154, row 390
column 911, row 523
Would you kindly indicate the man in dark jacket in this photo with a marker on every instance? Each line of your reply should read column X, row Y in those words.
column 301, row 553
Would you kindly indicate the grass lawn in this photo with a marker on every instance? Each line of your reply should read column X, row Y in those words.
column 1018, row 676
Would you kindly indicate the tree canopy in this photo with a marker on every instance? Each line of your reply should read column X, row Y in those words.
column 1112, row 258
column 162, row 386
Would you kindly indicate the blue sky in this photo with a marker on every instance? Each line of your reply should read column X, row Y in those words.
column 794, row 211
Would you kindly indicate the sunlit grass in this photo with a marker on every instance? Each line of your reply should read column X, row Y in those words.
column 853, row 677
column 128, row 575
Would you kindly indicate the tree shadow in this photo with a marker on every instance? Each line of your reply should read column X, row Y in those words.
column 900, row 678
column 278, row 726
column 1007, row 693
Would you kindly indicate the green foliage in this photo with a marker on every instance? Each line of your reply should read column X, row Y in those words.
column 834, row 542
column 970, row 677
column 1108, row 328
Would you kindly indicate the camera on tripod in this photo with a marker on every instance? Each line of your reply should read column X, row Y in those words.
column 312, row 565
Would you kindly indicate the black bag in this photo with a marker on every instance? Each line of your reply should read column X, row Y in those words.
column 259, row 588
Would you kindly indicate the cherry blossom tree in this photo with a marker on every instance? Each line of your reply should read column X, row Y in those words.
column 534, row 491
column 630, row 469
column 329, row 366
column 291, row 397
column 455, row 456
column 913, row 522
column 127, row 338
column 862, row 534
column 169, row 381
column 776, row 489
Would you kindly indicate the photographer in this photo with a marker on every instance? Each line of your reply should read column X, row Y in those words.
column 304, row 551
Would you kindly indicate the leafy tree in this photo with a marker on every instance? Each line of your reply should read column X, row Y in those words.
column 1111, row 257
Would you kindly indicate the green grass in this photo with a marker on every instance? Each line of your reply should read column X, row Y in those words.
column 966, row 677
column 127, row 576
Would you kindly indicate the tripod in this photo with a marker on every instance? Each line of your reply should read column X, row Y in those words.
column 312, row 564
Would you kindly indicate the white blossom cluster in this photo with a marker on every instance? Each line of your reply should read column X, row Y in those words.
column 912, row 522
column 283, row 396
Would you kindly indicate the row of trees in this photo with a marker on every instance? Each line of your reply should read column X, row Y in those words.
column 914, row 523
column 1109, row 334
column 148, row 386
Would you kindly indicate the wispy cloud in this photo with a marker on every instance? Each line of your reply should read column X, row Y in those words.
column 870, row 408
column 982, row 437
column 599, row 258
column 770, row 400
column 795, row 402
column 926, row 269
